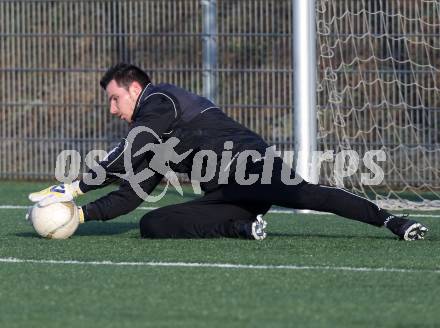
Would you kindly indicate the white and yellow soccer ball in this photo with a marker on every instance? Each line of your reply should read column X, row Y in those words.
column 55, row 221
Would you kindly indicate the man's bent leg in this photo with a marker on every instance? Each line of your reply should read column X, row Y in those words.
column 197, row 220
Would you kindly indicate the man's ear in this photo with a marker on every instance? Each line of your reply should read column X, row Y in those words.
column 135, row 89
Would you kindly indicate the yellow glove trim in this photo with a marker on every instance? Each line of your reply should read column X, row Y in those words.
column 80, row 215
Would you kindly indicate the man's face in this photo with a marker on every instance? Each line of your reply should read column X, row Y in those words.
column 123, row 101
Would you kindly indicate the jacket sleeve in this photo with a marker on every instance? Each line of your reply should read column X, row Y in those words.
column 119, row 202
column 154, row 116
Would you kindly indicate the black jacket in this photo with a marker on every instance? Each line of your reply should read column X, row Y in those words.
column 169, row 111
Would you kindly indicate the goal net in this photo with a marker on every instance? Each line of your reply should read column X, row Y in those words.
column 379, row 88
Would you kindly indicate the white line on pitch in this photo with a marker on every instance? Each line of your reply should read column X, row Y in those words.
column 12, row 207
column 218, row 265
column 278, row 211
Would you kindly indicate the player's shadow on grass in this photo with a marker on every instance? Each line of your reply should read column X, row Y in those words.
column 106, row 228
column 94, row 229
column 26, row 234
column 321, row 235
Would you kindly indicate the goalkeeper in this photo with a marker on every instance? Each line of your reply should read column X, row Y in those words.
column 227, row 208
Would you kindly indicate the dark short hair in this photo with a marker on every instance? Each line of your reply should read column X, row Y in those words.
column 125, row 74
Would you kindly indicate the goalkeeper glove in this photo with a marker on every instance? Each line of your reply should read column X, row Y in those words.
column 56, row 194
column 80, row 215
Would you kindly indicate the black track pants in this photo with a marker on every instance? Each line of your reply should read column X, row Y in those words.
column 222, row 212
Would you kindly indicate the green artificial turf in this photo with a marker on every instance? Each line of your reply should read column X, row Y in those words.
column 85, row 295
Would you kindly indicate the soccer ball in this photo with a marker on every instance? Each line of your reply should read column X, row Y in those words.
column 55, row 221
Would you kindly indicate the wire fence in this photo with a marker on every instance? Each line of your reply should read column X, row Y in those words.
column 53, row 54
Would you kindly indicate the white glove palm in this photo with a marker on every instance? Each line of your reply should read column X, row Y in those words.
column 56, row 194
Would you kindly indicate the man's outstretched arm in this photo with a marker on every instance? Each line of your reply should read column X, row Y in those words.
column 118, row 202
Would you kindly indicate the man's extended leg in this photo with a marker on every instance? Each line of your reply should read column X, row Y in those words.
column 322, row 198
column 347, row 204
